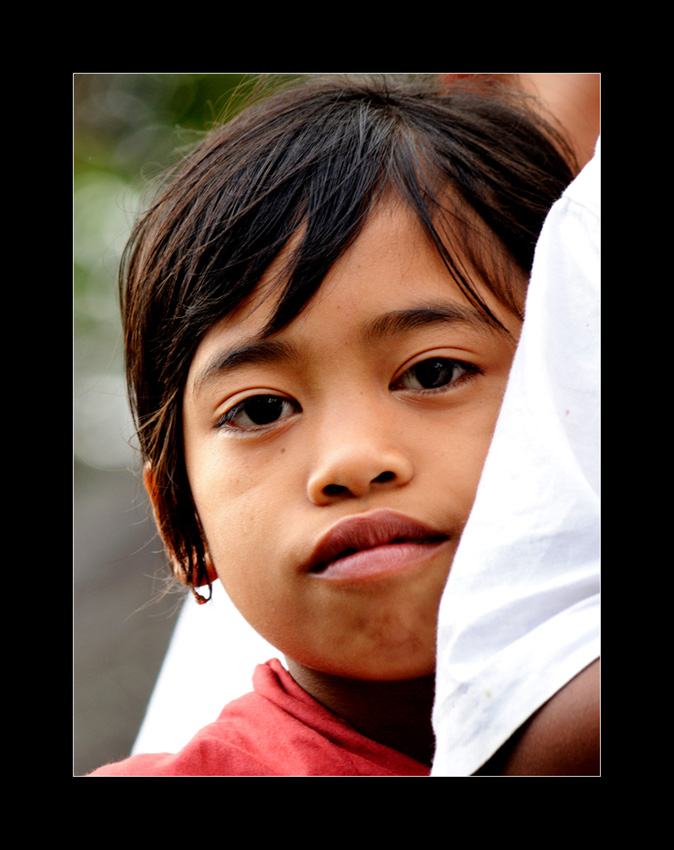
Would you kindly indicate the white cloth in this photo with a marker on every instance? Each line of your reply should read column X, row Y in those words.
column 519, row 616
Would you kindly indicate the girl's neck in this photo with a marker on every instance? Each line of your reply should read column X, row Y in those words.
column 396, row 714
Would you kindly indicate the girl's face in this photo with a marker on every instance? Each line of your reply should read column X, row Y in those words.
column 334, row 464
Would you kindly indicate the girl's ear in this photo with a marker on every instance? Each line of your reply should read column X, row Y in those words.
column 176, row 566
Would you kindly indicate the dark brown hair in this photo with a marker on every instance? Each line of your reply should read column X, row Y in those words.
column 477, row 167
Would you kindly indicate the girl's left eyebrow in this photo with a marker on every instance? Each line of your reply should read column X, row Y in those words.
column 403, row 321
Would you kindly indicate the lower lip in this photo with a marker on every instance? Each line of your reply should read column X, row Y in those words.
column 379, row 561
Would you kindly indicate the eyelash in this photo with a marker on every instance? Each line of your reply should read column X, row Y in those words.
column 228, row 419
column 468, row 371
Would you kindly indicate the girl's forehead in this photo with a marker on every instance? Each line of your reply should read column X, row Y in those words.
column 391, row 241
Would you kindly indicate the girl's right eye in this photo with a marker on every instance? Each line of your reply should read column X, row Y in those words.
column 258, row 412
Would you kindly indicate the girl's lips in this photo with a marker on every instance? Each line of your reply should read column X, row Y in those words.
column 380, row 542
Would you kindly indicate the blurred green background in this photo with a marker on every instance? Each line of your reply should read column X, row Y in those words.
column 127, row 128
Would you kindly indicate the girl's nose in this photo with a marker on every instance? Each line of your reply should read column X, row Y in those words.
column 356, row 468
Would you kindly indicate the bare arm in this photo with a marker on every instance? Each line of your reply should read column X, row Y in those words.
column 561, row 739
column 575, row 100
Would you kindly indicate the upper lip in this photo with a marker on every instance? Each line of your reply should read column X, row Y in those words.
column 366, row 531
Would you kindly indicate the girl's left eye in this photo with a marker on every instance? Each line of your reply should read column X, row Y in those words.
column 258, row 411
column 434, row 374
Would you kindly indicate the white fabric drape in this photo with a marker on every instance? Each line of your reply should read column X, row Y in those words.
column 520, row 613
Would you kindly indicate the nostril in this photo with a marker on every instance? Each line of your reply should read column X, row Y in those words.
column 384, row 477
column 333, row 490
column 356, row 485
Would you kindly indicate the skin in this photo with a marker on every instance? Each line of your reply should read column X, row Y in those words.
column 561, row 739
column 575, row 100
column 357, row 431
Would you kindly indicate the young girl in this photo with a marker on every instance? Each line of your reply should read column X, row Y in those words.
column 321, row 310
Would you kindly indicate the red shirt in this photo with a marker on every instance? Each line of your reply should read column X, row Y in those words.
column 277, row 730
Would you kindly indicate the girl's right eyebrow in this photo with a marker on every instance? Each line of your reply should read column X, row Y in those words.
column 253, row 353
